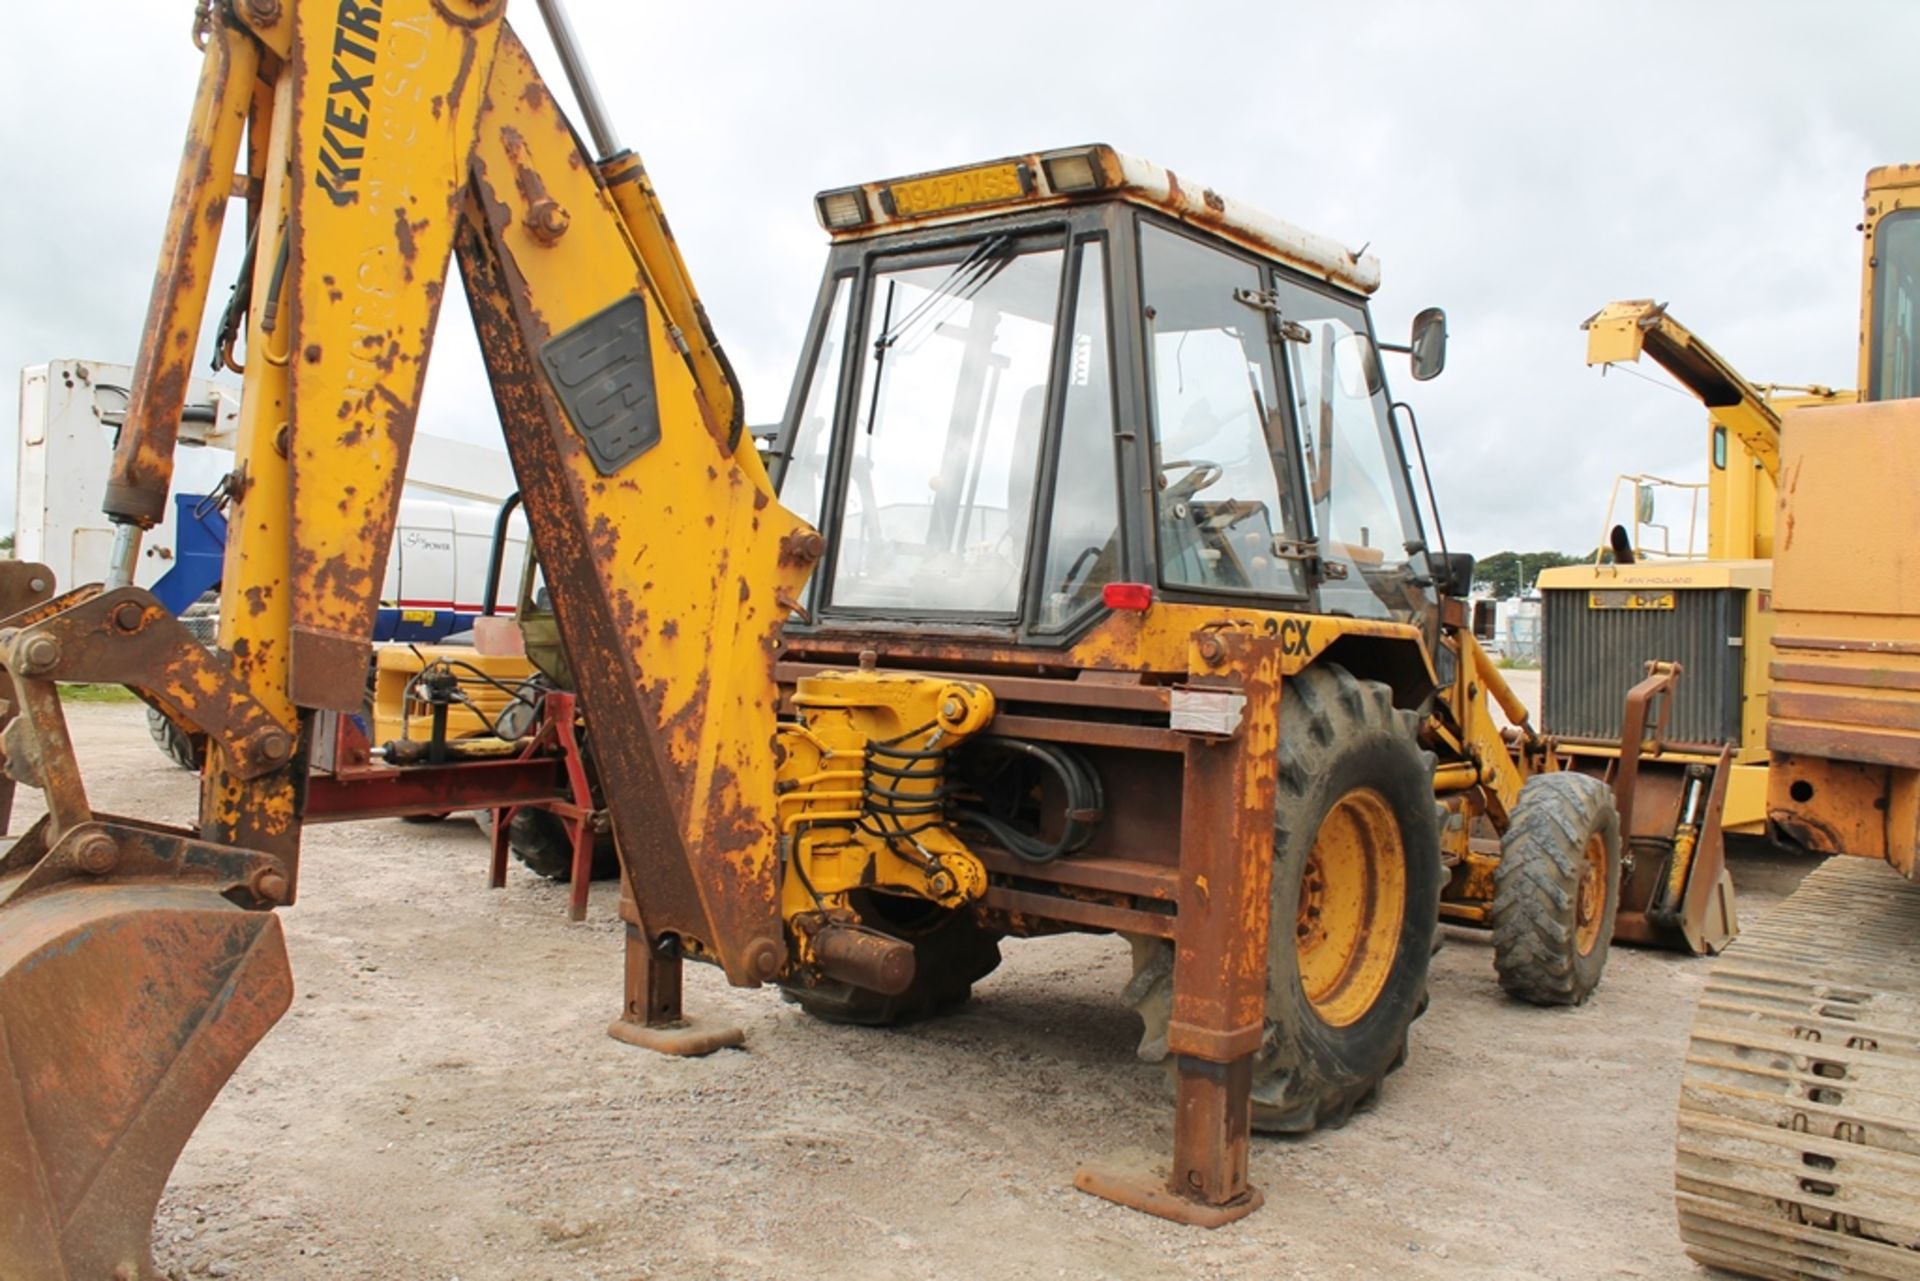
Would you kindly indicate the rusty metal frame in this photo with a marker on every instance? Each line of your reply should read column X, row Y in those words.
column 347, row 784
column 127, row 637
column 1221, row 939
column 1642, row 732
column 24, row 585
column 108, row 848
column 557, row 739
column 1686, row 900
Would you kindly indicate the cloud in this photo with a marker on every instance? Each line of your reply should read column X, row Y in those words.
column 1520, row 164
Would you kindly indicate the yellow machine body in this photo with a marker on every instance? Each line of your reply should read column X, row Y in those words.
column 1846, row 660
column 1654, row 588
column 764, row 770
column 396, row 715
column 1844, row 711
column 861, row 774
column 1743, row 452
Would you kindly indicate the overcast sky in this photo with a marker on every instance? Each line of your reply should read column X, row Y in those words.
column 1520, row 164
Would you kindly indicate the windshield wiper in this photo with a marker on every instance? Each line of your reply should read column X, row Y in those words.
column 968, row 277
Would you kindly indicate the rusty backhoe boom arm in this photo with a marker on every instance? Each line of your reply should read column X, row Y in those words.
column 373, row 144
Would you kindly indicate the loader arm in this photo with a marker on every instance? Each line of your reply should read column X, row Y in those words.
column 1621, row 331
column 381, row 141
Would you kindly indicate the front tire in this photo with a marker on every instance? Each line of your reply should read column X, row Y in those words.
column 1356, row 894
column 1557, row 889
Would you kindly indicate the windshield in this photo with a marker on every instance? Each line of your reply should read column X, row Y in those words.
column 947, row 422
column 1893, row 366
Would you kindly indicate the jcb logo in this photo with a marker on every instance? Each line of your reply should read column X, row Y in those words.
column 1296, row 636
column 356, row 47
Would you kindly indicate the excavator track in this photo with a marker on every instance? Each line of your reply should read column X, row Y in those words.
column 1798, row 1152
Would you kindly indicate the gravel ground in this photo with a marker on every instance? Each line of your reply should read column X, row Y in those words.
column 442, row 1102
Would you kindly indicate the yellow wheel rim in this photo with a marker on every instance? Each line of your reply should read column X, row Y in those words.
column 1352, row 905
column 1591, row 911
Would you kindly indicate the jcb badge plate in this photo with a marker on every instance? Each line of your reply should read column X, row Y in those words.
column 602, row 370
column 1630, row 600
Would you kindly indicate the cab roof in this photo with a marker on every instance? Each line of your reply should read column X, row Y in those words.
column 1074, row 175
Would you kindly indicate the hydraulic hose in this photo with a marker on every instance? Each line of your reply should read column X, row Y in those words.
column 1085, row 803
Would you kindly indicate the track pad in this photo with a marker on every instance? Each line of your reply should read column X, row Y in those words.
column 123, row 1010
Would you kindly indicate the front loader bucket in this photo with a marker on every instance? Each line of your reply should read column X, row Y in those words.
column 123, row 1010
column 1677, row 893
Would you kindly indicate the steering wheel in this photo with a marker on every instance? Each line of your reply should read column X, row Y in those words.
column 1069, row 583
column 1200, row 474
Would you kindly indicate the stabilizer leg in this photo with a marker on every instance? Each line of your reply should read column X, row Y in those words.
column 653, row 1018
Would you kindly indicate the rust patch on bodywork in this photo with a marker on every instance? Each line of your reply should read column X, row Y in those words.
column 143, row 458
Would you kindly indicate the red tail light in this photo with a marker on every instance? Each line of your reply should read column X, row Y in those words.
column 1127, row 595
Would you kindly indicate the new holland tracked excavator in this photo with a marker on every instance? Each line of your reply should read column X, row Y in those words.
column 1120, row 615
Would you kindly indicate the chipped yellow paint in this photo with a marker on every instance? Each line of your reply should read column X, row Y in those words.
column 386, row 102
column 689, row 552
column 256, row 568
column 837, row 833
column 1159, row 638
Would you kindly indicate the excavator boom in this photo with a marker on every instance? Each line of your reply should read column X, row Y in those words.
column 374, row 144
column 1621, row 331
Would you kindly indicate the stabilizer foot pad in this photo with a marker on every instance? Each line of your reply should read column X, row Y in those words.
column 1140, row 1184
column 689, row 1038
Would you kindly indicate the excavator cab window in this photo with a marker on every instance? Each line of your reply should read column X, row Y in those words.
column 948, row 414
column 803, row 481
column 1083, row 552
column 973, row 403
column 1894, row 364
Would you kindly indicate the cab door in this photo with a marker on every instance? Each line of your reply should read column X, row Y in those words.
column 1227, row 509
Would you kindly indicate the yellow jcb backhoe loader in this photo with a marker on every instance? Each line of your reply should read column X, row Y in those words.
column 1120, row 619
column 1799, row 1125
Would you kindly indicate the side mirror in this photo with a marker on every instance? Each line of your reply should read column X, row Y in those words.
column 1428, row 344
column 1453, row 573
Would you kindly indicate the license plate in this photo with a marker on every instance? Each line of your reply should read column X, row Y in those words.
column 961, row 190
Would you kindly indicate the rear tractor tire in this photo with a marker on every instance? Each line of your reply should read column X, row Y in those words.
column 1356, row 900
column 952, row 952
column 1557, row 889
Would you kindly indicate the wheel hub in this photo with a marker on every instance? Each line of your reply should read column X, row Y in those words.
column 1590, row 908
column 1351, row 907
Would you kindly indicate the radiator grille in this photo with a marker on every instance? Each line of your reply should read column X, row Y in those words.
column 1592, row 657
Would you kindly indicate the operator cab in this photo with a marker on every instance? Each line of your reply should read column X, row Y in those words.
column 1038, row 389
